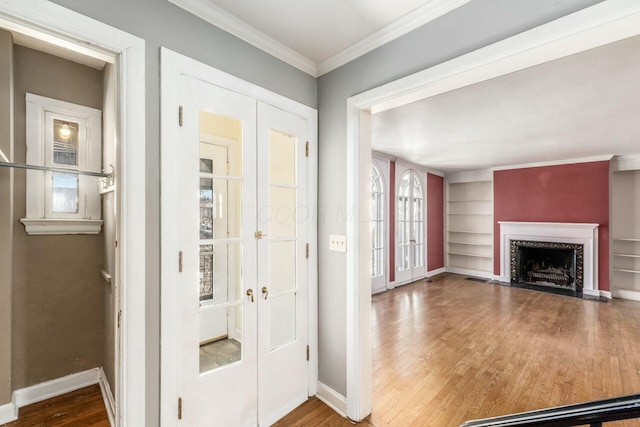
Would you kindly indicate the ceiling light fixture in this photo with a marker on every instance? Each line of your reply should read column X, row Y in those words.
column 65, row 132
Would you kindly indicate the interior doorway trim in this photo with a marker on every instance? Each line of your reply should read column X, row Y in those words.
column 55, row 24
column 598, row 25
column 174, row 65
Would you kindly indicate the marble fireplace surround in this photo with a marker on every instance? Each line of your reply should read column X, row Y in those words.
column 558, row 232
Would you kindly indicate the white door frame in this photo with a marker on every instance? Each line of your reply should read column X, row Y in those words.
column 173, row 65
column 57, row 25
column 601, row 24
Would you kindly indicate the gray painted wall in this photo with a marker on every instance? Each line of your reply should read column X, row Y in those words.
column 6, row 213
column 161, row 23
column 475, row 25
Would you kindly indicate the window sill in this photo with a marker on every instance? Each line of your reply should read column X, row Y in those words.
column 35, row 227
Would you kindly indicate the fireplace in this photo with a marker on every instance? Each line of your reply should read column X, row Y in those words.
column 579, row 237
column 555, row 265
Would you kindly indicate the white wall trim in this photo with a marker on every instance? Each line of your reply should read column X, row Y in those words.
column 468, row 272
column 174, row 65
column 225, row 21
column 598, row 25
column 469, row 176
column 628, row 294
column 48, row 21
column 436, row 272
column 556, row 163
column 59, row 386
column 420, row 16
column 107, row 397
column 625, row 163
column 332, row 398
column 8, row 413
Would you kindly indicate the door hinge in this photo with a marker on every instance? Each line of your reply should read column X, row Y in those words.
column 306, row 150
column 179, row 408
column 307, row 251
column 119, row 317
column 180, row 262
column 180, row 116
column 307, row 353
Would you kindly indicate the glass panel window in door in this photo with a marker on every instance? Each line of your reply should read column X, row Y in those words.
column 221, row 247
column 65, row 189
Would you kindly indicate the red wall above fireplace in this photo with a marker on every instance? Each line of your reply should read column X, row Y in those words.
column 565, row 193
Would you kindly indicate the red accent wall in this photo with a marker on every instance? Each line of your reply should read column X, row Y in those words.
column 564, row 193
column 435, row 222
column 392, row 221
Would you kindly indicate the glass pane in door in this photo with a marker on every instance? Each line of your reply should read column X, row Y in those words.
column 220, row 232
column 282, row 238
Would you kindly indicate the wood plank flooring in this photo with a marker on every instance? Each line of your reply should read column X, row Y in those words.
column 83, row 407
column 454, row 350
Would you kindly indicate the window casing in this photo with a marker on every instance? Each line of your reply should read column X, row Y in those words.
column 377, row 222
column 67, row 137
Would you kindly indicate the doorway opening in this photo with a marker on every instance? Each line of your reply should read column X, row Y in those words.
column 68, row 173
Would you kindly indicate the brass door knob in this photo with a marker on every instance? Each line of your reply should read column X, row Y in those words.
column 250, row 294
column 265, row 292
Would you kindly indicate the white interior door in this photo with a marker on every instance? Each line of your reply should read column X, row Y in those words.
column 242, row 321
column 410, row 225
column 217, row 314
column 282, row 263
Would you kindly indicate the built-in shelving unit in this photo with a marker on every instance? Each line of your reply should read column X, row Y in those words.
column 470, row 227
column 625, row 200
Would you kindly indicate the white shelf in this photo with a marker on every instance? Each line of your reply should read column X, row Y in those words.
column 628, row 255
column 625, row 270
column 469, row 232
column 470, row 201
column 471, row 255
column 626, row 240
column 470, row 214
column 451, row 242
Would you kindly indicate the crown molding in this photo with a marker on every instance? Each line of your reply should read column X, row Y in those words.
column 229, row 23
column 224, row 20
column 561, row 162
column 420, row 16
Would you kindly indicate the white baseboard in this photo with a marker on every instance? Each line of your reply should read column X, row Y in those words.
column 59, row 386
column 39, row 392
column 107, row 396
column 626, row 294
column 332, row 398
column 466, row 272
column 435, row 272
column 606, row 294
column 8, row 413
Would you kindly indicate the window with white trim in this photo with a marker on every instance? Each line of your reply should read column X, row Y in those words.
column 67, row 138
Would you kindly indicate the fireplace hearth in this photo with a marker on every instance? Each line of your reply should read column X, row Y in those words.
column 556, row 267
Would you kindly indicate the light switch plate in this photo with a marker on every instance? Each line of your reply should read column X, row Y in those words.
column 337, row 243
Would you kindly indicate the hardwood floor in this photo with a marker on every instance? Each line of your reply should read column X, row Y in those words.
column 454, row 350
column 83, row 407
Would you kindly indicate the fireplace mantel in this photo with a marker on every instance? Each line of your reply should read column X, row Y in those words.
column 560, row 232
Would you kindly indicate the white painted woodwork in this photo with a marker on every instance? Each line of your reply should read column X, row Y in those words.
column 558, row 232
column 625, row 224
column 469, row 226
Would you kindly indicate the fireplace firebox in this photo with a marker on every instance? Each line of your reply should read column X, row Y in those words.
column 552, row 265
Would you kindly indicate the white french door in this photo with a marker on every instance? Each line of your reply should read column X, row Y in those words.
column 242, row 308
column 410, row 225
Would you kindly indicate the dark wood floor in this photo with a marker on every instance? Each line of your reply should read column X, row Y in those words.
column 453, row 350
column 83, row 407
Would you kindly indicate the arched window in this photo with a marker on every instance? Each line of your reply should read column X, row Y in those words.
column 377, row 222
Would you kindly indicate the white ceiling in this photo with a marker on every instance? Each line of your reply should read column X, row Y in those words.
column 318, row 36
column 583, row 105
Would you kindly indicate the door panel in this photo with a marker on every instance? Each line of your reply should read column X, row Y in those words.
column 217, row 320
column 282, row 216
column 410, row 227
